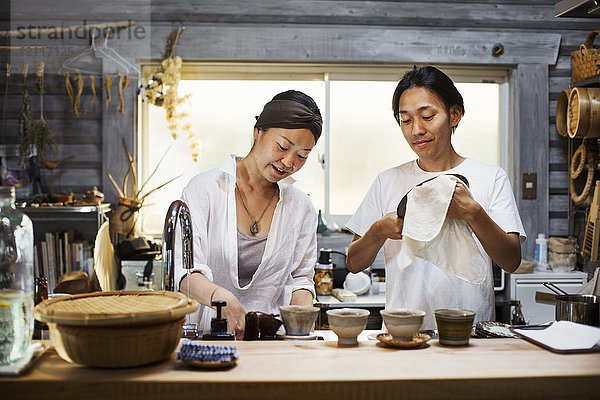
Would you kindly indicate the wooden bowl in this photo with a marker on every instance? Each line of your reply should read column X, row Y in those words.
column 64, row 198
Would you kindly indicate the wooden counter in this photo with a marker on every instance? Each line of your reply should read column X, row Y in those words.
column 486, row 369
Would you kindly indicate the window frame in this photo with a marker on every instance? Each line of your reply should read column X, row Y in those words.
column 327, row 72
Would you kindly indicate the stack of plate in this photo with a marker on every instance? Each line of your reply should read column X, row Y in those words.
column 492, row 329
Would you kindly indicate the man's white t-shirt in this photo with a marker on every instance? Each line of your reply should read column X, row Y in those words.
column 422, row 285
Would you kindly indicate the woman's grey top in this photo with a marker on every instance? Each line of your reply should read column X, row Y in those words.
column 250, row 253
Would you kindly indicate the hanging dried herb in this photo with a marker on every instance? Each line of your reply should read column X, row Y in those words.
column 34, row 136
column 43, row 138
column 123, row 83
column 25, row 121
column 107, row 86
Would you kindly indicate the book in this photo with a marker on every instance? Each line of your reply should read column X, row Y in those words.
column 41, row 265
column 68, row 237
column 53, row 266
column 77, row 256
column 58, row 248
column 50, row 270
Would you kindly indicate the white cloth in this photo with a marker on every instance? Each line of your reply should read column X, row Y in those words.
column 593, row 286
column 290, row 252
column 420, row 284
column 105, row 263
column 427, row 233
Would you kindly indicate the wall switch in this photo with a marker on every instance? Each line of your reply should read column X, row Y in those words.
column 529, row 190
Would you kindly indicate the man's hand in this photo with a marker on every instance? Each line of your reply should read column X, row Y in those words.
column 462, row 206
column 389, row 227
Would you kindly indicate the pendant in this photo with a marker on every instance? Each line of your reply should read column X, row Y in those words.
column 254, row 228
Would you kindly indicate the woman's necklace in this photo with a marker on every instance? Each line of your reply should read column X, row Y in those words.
column 254, row 227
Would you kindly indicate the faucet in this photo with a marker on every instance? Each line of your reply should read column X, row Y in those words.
column 178, row 209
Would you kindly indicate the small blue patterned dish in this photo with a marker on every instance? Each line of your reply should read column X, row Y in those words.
column 207, row 356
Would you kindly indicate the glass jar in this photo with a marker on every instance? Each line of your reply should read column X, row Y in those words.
column 324, row 279
column 16, row 279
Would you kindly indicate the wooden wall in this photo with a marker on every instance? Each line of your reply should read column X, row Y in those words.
column 360, row 31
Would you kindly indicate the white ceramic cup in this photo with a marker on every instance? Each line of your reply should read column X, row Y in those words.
column 403, row 323
column 347, row 323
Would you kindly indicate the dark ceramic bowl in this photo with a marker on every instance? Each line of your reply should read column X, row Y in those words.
column 454, row 326
column 268, row 325
column 261, row 326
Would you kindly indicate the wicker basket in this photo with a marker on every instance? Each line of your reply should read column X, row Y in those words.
column 585, row 62
column 583, row 119
column 562, row 109
column 124, row 218
column 116, row 329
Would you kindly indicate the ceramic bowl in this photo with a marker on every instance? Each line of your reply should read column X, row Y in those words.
column 298, row 320
column 454, row 326
column 347, row 323
column 359, row 283
column 403, row 323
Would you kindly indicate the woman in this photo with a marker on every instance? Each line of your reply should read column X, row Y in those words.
column 428, row 108
column 254, row 233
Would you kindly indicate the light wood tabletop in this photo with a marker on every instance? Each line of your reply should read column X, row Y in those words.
column 486, row 369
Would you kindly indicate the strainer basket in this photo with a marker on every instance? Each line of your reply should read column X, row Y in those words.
column 116, row 329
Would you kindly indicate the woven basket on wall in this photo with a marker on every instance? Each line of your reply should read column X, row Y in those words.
column 585, row 62
column 583, row 119
column 116, row 329
column 562, row 112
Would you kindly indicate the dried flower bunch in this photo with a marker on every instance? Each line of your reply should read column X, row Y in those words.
column 35, row 137
column 160, row 89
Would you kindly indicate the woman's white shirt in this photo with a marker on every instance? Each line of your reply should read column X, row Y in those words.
column 290, row 251
column 422, row 285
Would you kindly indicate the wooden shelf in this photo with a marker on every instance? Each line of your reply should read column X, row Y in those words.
column 595, row 81
column 47, row 210
column 85, row 220
column 576, row 9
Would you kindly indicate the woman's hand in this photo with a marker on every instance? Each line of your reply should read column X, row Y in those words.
column 301, row 297
column 462, row 206
column 233, row 311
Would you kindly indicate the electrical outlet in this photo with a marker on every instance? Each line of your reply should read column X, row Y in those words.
column 529, row 189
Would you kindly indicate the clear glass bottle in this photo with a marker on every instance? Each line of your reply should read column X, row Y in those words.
column 16, row 279
column 40, row 294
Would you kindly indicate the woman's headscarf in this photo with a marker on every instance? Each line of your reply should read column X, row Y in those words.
column 289, row 114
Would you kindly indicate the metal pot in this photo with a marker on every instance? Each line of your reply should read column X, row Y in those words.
column 580, row 308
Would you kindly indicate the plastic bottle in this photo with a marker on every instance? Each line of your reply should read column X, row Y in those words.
column 16, row 279
column 541, row 253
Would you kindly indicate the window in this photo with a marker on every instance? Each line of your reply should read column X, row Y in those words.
column 360, row 136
